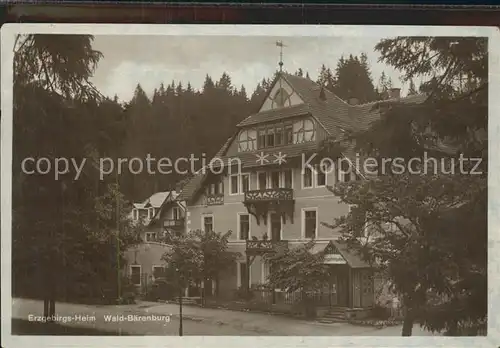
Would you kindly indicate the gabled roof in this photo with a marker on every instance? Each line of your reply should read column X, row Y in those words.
column 352, row 257
column 156, row 200
column 192, row 186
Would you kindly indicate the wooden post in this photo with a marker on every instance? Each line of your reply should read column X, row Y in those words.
column 350, row 288
column 248, row 277
column 180, row 312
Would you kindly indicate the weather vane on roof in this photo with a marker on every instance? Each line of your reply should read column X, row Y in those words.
column 280, row 44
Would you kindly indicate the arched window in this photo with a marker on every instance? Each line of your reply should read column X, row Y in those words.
column 247, row 140
column 281, row 98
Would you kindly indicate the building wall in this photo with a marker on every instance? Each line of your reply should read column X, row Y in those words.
column 146, row 255
column 226, row 215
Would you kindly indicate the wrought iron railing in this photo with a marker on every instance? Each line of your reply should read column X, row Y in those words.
column 273, row 194
column 262, row 246
column 215, row 199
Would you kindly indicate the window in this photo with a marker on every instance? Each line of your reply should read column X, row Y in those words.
column 288, row 134
column 135, row 274
column 150, row 236
column 261, row 141
column 275, row 179
column 135, row 214
column 287, row 178
column 243, row 226
column 310, row 223
column 321, row 176
column 242, row 278
column 345, row 171
column 281, row 98
column 307, row 178
column 151, row 213
column 247, row 140
column 270, row 137
column 233, row 184
column 208, row 223
column 158, row 272
column 215, row 188
column 262, row 180
column 176, row 213
column 245, row 182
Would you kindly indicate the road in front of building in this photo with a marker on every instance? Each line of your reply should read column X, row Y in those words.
column 144, row 318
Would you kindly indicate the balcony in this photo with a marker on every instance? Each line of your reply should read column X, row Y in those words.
column 214, row 199
column 259, row 247
column 269, row 195
column 173, row 223
column 278, row 200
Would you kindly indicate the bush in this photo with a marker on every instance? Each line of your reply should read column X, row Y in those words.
column 382, row 313
column 242, row 294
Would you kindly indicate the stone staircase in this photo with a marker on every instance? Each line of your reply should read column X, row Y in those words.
column 334, row 315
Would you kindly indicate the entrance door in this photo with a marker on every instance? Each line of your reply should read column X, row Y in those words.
column 275, row 227
column 342, row 291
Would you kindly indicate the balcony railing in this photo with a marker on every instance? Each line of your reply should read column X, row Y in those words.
column 215, row 199
column 269, row 195
column 264, row 246
column 172, row 223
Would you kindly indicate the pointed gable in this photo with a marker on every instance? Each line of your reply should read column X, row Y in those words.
column 281, row 95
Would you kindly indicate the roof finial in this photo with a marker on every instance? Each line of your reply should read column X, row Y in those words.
column 280, row 44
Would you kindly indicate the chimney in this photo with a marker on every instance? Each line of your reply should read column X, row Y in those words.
column 322, row 94
column 353, row 101
column 394, row 93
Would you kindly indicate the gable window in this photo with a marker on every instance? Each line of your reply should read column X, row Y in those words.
column 286, row 133
column 243, row 226
column 150, row 236
column 233, row 184
column 245, row 182
column 278, row 136
column 310, row 223
column 208, row 223
column 135, row 214
column 135, row 274
column 262, row 180
column 281, row 98
column 303, row 131
column 287, row 179
column 215, row 188
column 307, row 178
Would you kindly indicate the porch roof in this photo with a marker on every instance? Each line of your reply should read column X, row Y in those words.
column 353, row 258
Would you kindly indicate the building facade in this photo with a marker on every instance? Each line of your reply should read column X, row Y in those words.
column 269, row 186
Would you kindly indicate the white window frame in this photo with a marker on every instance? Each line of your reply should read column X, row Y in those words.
column 151, row 213
column 203, row 216
column 267, row 180
column 135, row 214
column 303, row 176
column 153, row 270
column 241, row 182
column 178, row 209
column 238, row 185
column 280, row 178
column 316, row 172
column 303, row 222
column 238, row 274
column 269, row 235
column 283, row 177
column 140, row 274
column 238, row 229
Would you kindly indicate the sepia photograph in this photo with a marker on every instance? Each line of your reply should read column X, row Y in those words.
column 246, row 182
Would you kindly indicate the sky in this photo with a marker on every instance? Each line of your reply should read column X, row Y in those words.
column 151, row 60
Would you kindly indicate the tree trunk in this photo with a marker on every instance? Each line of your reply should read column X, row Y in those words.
column 180, row 311
column 408, row 321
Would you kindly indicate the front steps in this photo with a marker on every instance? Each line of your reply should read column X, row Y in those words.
column 334, row 315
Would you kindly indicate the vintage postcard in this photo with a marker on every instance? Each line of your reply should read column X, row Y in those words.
column 303, row 185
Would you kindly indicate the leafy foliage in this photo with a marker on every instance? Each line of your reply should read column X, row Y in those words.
column 428, row 231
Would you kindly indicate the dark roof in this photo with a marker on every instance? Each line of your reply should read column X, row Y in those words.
column 275, row 114
column 191, row 187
